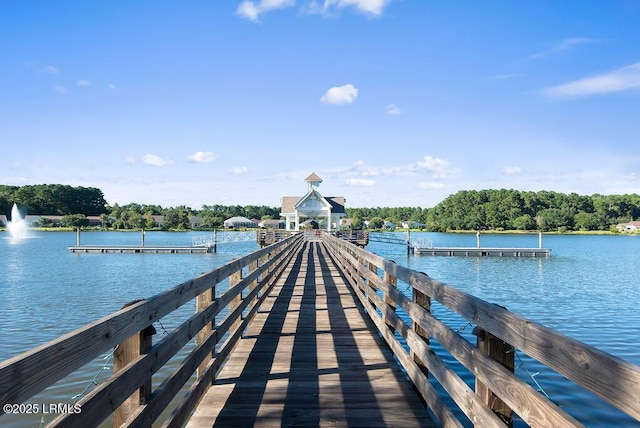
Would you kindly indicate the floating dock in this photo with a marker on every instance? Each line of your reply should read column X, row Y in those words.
column 482, row 252
column 140, row 249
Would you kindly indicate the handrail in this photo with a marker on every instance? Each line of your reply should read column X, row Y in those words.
column 498, row 392
column 25, row 375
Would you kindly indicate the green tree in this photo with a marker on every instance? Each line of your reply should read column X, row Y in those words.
column 74, row 220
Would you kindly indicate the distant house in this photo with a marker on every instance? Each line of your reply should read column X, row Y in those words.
column 239, row 222
column 388, row 225
column 195, row 221
column 326, row 211
column 272, row 224
column 631, row 226
column 158, row 220
column 412, row 225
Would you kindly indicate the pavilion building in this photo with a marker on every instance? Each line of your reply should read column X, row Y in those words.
column 313, row 208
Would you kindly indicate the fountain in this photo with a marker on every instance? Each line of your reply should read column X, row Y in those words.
column 17, row 226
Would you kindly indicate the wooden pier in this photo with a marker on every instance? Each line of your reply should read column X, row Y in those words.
column 482, row 252
column 316, row 331
column 153, row 249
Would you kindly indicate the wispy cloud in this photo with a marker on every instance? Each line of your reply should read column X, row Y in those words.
column 506, row 76
column 430, row 185
column 202, row 157
column 563, row 46
column 511, row 170
column 360, row 182
column 252, row 10
column 60, row 88
column 111, row 86
column 130, row 160
column 154, row 160
column 83, row 83
column 437, row 168
column 339, row 95
column 392, row 109
column 620, row 80
column 372, row 8
column 50, row 69
column 239, row 170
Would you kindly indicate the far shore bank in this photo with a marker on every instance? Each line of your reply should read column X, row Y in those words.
column 483, row 232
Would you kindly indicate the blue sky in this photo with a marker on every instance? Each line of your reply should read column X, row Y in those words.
column 391, row 102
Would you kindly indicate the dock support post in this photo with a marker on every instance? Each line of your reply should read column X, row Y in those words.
column 478, row 239
column 503, row 353
column 540, row 238
column 142, row 237
column 215, row 242
column 78, row 236
column 125, row 353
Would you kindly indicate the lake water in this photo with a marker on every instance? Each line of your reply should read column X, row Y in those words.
column 588, row 289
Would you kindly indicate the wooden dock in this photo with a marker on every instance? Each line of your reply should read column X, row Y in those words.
column 311, row 357
column 482, row 252
column 153, row 249
column 316, row 331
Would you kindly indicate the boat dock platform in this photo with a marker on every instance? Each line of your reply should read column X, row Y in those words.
column 482, row 252
column 155, row 249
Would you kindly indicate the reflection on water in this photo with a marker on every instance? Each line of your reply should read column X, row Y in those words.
column 588, row 289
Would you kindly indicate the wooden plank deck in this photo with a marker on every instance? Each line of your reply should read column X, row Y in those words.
column 311, row 357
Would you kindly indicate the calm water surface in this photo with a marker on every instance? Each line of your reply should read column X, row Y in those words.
column 589, row 289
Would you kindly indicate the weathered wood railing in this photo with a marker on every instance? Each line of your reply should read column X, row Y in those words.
column 128, row 394
column 498, row 392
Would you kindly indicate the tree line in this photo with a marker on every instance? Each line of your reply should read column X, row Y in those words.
column 501, row 209
column 508, row 209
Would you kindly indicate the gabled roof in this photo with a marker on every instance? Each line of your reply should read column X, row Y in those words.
column 312, row 195
column 289, row 204
column 313, row 177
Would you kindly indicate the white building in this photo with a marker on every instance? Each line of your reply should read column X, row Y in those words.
column 326, row 211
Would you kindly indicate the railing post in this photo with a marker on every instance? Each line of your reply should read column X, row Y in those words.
column 253, row 266
column 503, row 353
column 123, row 354
column 424, row 302
column 203, row 301
column 234, row 279
column 373, row 289
column 392, row 281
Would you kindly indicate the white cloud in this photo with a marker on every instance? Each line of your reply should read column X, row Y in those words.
column 439, row 168
column 564, row 45
column 620, row 80
column 84, row 83
column 153, row 160
column 360, row 182
column 50, row 69
column 392, row 109
column 430, row 185
column 252, row 10
column 202, row 157
column 60, row 88
column 338, row 95
column 111, row 86
column 239, row 170
column 329, row 7
column 511, row 170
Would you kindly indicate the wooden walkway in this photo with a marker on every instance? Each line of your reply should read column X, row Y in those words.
column 311, row 357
